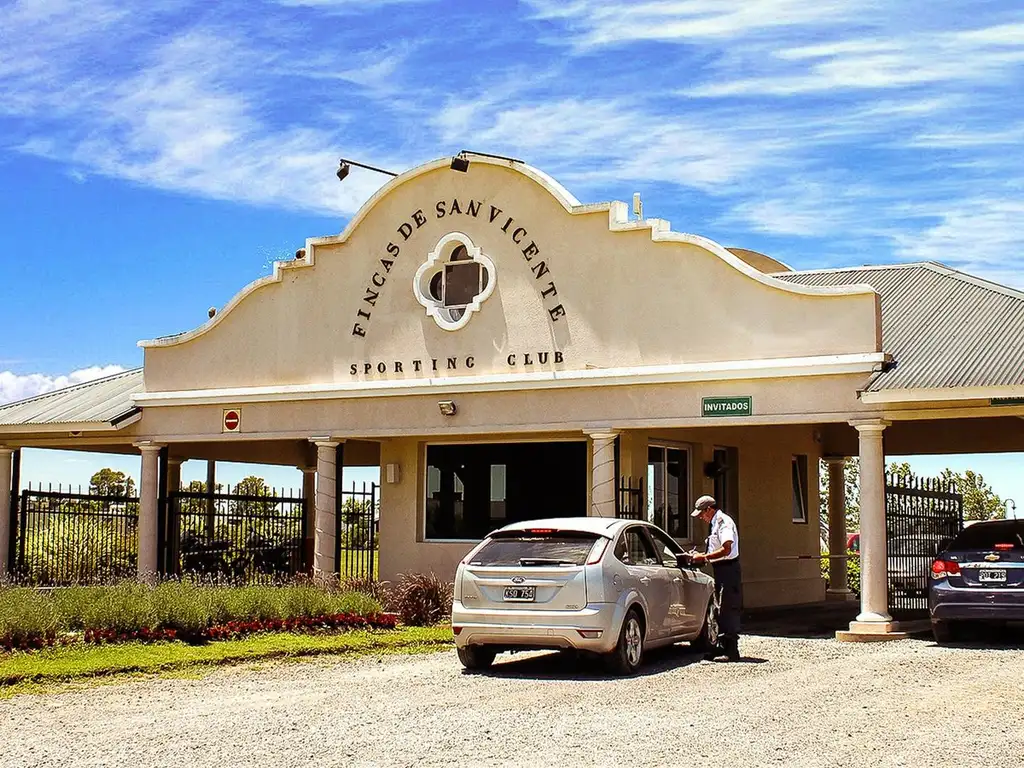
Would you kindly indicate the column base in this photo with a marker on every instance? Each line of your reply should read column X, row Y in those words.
column 871, row 632
column 841, row 595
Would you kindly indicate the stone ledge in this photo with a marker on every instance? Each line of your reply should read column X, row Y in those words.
column 849, row 636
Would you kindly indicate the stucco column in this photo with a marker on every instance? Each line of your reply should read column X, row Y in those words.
column 174, row 474
column 149, row 499
column 838, row 588
column 874, row 607
column 309, row 494
column 6, row 502
column 324, row 539
column 602, row 476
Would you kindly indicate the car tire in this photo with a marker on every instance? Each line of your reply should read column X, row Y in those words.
column 944, row 632
column 629, row 651
column 708, row 639
column 476, row 657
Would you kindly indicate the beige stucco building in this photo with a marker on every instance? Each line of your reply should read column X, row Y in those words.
column 503, row 351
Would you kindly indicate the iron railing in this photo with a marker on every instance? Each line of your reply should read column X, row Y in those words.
column 236, row 536
column 358, row 525
column 921, row 514
column 629, row 498
column 68, row 538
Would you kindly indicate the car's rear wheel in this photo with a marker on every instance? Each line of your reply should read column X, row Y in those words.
column 708, row 638
column 476, row 657
column 629, row 651
column 945, row 632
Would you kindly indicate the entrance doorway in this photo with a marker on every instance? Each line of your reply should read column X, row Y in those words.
column 471, row 489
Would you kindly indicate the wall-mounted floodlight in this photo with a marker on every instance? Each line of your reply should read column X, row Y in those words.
column 447, row 407
column 461, row 161
column 345, row 166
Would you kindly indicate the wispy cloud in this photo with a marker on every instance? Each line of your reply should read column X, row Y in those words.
column 14, row 387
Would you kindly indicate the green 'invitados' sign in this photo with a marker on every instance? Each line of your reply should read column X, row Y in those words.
column 727, row 406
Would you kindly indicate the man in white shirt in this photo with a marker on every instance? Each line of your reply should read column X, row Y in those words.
column 723, row 552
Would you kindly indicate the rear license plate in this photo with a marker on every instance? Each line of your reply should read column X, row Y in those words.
column 520, row 594
column 990, row 574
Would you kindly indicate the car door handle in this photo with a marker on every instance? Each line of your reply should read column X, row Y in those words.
column 645, row 579
column 676, row 580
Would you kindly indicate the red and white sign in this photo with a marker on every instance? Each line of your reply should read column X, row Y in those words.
column 232, row 420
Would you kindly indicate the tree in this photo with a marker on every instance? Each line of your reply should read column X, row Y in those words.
column 108, row 482
column 980, row 501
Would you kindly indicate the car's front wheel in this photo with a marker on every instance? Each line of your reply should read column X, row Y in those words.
column 707, row 640
column 476, row 657
column 629, row 651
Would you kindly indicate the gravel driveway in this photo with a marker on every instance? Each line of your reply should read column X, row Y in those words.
column 795, row 702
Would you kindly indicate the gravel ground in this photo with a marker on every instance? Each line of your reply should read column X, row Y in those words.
column 794, row 702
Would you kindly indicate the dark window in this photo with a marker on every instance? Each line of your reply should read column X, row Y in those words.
column 667, row 548
column 462, row 283
column 474, row 489
column 558, row 549
column 799, row 475
column 987, row 535
column 634, row 548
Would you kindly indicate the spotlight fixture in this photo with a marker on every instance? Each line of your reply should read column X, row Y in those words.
column 345, row 166
column 460, row 162
column 447, row 407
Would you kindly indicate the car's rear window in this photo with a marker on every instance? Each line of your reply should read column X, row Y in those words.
column 987, row 535
column 536, row 550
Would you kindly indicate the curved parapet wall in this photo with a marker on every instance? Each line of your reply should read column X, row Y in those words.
column 550, row 285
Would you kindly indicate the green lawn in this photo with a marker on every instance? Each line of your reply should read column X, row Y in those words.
column 75, row 663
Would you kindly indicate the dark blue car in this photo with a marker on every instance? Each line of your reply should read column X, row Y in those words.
column 978, row 577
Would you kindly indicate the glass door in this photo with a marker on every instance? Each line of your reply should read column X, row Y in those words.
column 668, row 492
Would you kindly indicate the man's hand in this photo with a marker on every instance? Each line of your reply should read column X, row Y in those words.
column 698, row 559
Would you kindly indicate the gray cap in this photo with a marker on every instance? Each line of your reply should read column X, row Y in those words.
column 703, row 503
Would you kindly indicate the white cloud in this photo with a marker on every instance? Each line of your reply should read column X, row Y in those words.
column 14, row 387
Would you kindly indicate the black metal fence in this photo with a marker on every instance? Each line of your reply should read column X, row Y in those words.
column 921, row 514
column 629, row 498
column 236, row 536
column 358, row 527
column 65, row 538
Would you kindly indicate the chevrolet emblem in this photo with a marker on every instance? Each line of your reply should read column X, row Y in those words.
column 991, row 558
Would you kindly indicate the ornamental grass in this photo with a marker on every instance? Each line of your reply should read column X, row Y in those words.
column 34, row 618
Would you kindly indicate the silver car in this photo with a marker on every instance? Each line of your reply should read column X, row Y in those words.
column 604, row 586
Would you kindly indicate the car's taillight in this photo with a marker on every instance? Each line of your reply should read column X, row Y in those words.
column 943, row 568
column 456, row 630
column 1004, row 547
column 597, row 552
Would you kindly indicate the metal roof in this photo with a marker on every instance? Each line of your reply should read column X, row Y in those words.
column 103, row 401
column 944, row 328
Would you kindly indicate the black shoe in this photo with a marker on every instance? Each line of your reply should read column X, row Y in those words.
column 711, row 656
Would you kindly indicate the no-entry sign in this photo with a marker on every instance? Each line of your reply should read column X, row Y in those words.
column 232, row 420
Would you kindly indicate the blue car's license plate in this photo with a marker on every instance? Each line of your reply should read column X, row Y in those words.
column 988, row 575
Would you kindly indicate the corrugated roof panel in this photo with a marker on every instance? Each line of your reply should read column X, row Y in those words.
column 944, row 328
column 98, row 401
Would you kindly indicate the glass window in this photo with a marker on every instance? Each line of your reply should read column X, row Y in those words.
column 559, row 549
column 668, row 484
column 634, row 548
column 799, row 473
column 666, row 547
column 987, row 535
column 473, row 489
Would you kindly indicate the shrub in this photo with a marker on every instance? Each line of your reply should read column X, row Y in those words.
column 367, row 585
column 353, row 602
column 852, row 570
column 27, row 618
column 421, row 599
column 182, row 606
column 72, row 604
column 241, row 603
column 124, row 608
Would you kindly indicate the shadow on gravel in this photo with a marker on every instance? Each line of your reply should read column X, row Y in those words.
column 570, row 666
column 980, row 637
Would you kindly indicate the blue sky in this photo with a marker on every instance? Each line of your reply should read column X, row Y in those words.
column 157, row 156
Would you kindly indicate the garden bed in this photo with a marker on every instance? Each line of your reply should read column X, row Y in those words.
column 32, row 619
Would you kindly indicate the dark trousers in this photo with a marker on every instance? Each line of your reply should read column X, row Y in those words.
column 729, row 586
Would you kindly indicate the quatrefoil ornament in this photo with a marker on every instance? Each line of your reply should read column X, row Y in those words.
column 454, row 281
